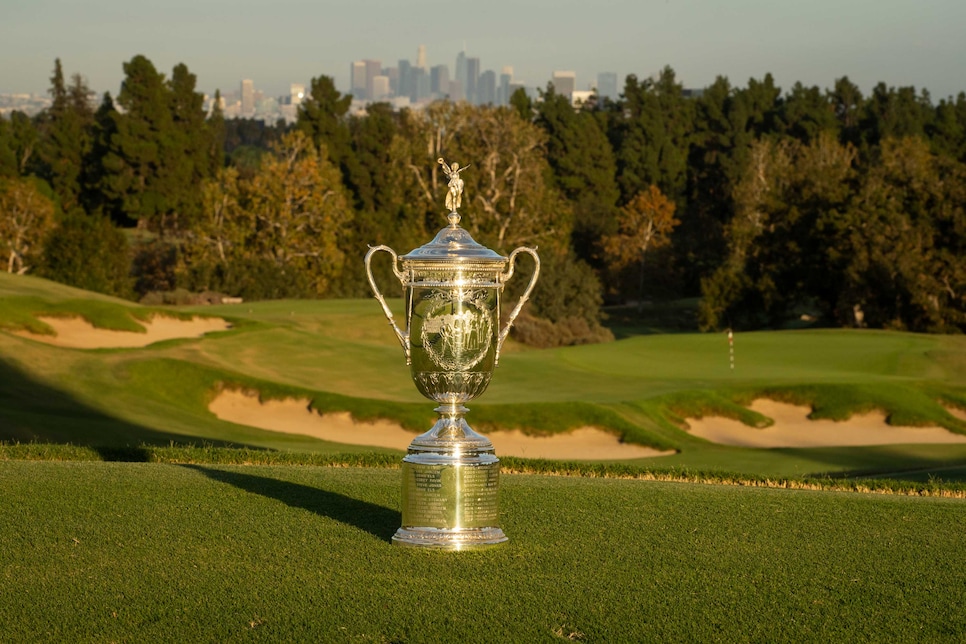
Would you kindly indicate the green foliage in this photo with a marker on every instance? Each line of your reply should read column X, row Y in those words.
column 564, row 309
column 88, row 252
column 157, row 150
column 66, row 139
column 584, row 170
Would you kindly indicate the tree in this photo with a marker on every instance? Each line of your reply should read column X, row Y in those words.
column 583, row 167
column 218, row 237
column 24, row 140
column 645, row 222
column 321, row 116
column 157, row 151
column 26, row 217
column 787, row 201
column 901, row 244
column 299, row 208
column 806, row 112
column 521, row 103
column 194, row 141
column 8, row 155
column 650, row 136
column 66, row 138
column 847, row 104
column 89, row 252
column 512, row 200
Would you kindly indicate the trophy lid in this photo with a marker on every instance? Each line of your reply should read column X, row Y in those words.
column 453, row 244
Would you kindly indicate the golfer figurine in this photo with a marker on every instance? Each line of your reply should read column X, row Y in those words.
column 455, row 195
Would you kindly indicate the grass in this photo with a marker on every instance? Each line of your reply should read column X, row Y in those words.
column 341, row 356
column 131, row 513
column 134, row 551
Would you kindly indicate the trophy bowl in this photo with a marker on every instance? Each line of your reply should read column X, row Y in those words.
column 453, row 289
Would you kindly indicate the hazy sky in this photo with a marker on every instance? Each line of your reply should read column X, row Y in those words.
column 277, row 42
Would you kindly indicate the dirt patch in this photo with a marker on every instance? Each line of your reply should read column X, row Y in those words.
column 793, row 428
column 293, row 416
column 78, row 333
column 956, row 412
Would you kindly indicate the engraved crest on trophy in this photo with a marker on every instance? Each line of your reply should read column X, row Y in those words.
column 452, row 287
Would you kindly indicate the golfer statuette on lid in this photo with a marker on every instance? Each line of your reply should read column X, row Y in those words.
column 453, row 290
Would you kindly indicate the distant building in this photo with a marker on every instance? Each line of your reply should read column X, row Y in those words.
column 503, row 88
column 373, row 69
column 380, row 88
column 581, row 97
column 607, row 86
column 439, row 80
column 472, row 80
column 456, row 92
column 486, row 88
column 421, row 57
column 247, row 98
column 405, row 84
column 420, row 83
column 358, row 80
column 565, row 83
column 296, row 93
column 460, row 77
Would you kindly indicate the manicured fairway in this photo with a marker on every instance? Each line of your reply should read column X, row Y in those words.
column 342, row 356
column 151, row 552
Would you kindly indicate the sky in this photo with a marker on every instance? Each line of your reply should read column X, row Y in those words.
column 279, row 42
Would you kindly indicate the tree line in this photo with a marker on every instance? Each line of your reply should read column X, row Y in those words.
column 767, row 205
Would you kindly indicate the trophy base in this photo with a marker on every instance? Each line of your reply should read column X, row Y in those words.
column 451, row 481
column 443, row 539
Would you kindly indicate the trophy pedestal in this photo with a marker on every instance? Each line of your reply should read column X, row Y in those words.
column 450, row 490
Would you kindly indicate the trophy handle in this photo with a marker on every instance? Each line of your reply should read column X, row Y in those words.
column 523, row 299
column 403, row 336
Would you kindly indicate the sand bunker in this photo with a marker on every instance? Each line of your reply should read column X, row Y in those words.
column 294, row 417
column 793, row 428
column 955, row 412
column 78, row 333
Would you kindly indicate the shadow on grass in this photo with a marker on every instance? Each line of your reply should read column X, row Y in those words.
column 912, row 463
column 32, row 411
column 377, row 520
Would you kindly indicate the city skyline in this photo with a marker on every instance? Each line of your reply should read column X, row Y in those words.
column 292, row 41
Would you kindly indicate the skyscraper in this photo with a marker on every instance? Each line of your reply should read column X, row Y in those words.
column 486, row 88
column 373, row 69
column 358, row 79
column 380, row 88
column 439, row 80
column 607, row 86
column 565, row 83
column 460, row 77
column 421, row 57
column 472, row 80
column 247, row 97
column 405, row 87
column 503, row 89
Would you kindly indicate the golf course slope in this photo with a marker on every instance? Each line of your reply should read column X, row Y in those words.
column 815, row 492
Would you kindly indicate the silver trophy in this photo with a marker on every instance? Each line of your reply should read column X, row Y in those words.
column 453, row 289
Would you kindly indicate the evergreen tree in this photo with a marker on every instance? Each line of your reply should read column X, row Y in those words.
column 321, row 116
column 66, row 138
column 8, row 155
column 583, row 167
column 651, row 137
column 806, row 112
column 848, row 104
column 157, row 153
